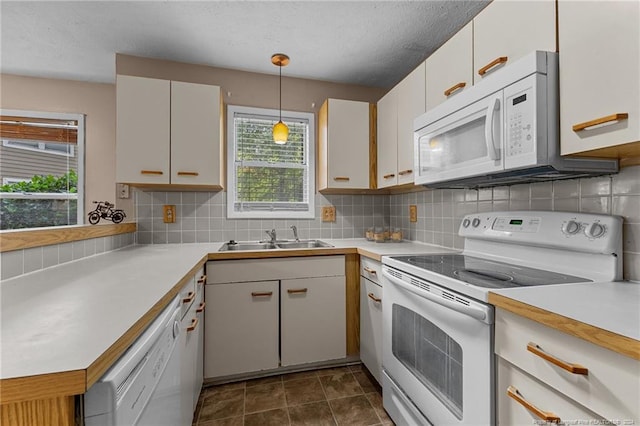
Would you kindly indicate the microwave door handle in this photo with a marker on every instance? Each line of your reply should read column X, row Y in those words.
column 488, row 129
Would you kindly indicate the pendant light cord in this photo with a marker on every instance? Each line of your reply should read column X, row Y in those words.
column 280, row 66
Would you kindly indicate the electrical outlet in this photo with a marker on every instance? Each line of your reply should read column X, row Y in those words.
column 413, row 213
column 123, row 190
column 329, row 214
column 169, row 213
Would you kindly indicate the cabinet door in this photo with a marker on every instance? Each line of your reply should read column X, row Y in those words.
column 142, row 130
column 371, row 327
column 411, row 94
column 599, row 69
column 387, row 140
column 241, row 328
column 512, row 29
column 449, row 70
column 313, row 320
column 543, row 398
column 195, row 134
column 347, row 144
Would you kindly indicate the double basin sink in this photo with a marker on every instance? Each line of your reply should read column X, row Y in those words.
column 268, row 245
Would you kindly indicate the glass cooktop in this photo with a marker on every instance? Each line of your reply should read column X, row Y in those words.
column 487, row 273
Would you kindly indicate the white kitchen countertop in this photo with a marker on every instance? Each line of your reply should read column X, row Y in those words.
column 64, row 317
column 611, row 306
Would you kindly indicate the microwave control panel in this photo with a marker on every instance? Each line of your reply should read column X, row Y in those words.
column 521, row 133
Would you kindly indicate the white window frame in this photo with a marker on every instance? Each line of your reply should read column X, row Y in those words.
column 231, row 178
column 79, row 150
column 41, row 147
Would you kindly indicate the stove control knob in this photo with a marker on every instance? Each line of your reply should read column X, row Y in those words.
column 571, row 227
column 475, row 222
column 465, row 223
column 595, row 230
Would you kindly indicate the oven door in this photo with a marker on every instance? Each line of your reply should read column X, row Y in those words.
column 437, row 348
column 465, row 143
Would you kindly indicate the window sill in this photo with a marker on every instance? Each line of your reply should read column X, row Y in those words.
column 27, row 238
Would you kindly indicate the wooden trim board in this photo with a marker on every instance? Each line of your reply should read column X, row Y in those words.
column 352, row 278
column 28, row 238
column 58, row 411
column 44, row 386
column 603, row 338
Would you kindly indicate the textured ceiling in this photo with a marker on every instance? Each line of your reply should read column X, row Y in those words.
column 372, row 43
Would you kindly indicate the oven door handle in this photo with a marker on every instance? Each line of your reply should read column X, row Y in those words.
column 472, row 311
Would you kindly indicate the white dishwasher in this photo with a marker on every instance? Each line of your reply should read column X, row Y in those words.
column 143, row 387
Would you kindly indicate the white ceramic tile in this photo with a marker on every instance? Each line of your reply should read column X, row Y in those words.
column 485, row 194
column 566, row 188
column 595, row 205
column 627, row 206
column 541, row 190
column 12, row 263
column 519, row 192
column 519, row 204
column 49, row 255
column 627, row 181
column 600, row 185
column 566, row 205
column 631, row 237
column 65, row 252
column 500, row 193
column 631, row 266
column 541, row 204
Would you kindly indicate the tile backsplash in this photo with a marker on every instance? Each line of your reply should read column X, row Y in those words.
column 18, row 262
column 201, row 216
column 440, row 211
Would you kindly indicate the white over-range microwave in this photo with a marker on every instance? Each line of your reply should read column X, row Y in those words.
column 503, row 130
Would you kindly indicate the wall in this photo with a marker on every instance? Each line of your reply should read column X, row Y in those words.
column 440, row 211
column 97, row 101
column 201, row 217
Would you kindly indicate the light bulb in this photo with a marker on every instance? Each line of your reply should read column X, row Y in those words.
column 280, row 133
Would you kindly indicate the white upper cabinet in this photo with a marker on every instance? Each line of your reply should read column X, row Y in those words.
column 196, row 152
column 167, row 132
column 411, row 104
column 449, row 70
column 396, row 112
column 343, row 144
column 387, row 139
column 599, row 74
column 143, row 130
column 506, row 30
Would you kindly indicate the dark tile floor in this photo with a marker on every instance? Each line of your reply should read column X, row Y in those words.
column 331, row 396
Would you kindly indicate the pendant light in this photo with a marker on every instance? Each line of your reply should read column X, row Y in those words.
column 280, row 130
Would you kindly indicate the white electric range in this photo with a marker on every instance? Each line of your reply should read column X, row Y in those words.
column 438, row 328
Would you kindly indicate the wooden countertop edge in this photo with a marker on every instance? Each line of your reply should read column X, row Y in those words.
column 28, row 238
column 598, row 336
column 370, row 255
column 42, row 386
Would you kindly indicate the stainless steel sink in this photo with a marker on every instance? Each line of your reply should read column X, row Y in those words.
column 239, row 246
column 260, row 245
column 303, row 244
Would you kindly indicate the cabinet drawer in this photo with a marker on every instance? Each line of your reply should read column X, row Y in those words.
column 233, row 271
column 187, row 296
column 511, row 412
column 611, row 386
column 371, row 269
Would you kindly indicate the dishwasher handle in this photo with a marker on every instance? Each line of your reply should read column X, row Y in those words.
column 473, row 310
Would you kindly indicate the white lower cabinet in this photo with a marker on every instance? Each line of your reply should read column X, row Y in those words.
column 190, row 344
column 266, row 313
column 313, row 320
column 371, row 327
column 241, row 325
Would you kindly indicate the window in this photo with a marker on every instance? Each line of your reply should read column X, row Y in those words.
column 267, row 180
column 41, row 169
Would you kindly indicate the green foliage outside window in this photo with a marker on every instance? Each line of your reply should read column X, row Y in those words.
column 18, row 213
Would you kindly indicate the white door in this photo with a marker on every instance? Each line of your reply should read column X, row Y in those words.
column 371, row 327
column 511, row 29
column 142, row 129
column 196, row 145
column 599, row 74
column 241, row 328
column 387, row 140
column 348, row 144
column 313, row 320
column 449, row 70
column 410, row 105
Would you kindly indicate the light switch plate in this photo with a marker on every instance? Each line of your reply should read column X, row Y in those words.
column 169, row 213
column 413, row 213
column 329, row 214
column 123, row 191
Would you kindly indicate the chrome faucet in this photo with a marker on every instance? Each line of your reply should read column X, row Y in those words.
column 295, row 232
column 272, row 235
